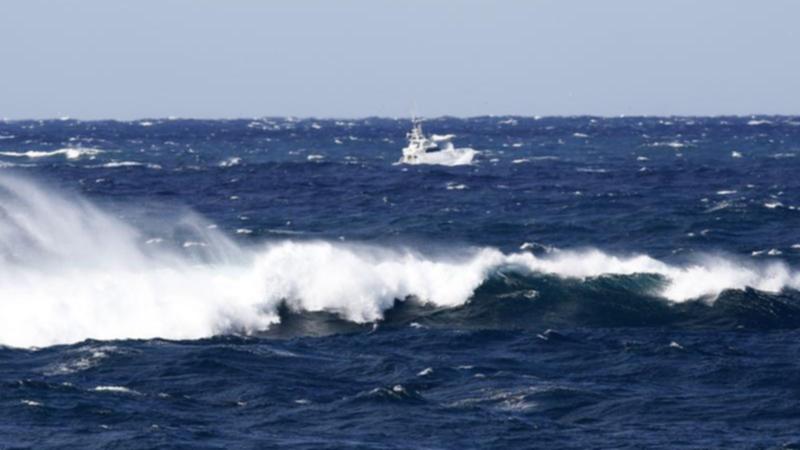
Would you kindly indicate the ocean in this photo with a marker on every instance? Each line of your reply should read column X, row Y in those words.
column 584, row 282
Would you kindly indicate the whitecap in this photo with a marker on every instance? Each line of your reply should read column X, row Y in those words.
column 230, row 162
column 118, row 164
column 62, row 295
column 69, row 153
column 457, row 187
column 116, row 390
column 671, row 144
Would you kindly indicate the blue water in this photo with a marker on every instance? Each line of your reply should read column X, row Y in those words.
column 585, row 283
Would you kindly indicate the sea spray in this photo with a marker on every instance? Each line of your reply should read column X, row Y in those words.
column 71, row 271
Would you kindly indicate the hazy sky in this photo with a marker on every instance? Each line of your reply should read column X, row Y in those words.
column 346, row 58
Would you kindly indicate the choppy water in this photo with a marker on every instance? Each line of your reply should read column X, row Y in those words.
column 586, row 282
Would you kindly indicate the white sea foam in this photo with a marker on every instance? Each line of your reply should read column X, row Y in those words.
column 69, row 153
column 69, row 271
column 230, row 162
column 118, row 164
column 457, row 187
column 670, row 144
column 116, row 389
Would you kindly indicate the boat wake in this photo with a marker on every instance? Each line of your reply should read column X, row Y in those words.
column 70, row 271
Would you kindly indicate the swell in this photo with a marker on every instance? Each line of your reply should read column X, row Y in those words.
column 71, row 271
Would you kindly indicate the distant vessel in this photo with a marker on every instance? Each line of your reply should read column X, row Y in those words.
column 434, row 150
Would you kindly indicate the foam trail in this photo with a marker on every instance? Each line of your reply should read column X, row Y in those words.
column 69, row 153
column 71, row 271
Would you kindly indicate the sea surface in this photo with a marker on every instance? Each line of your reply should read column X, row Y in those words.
column 282, row 283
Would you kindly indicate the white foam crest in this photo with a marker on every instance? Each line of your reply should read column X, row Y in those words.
column 69, row 153
column 707, row 277
column 116, row 389
column 230, row 162
column 671, row 144
column 70, row 271
column 119, row 164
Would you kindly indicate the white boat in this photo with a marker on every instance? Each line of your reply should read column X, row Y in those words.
column 434, row 150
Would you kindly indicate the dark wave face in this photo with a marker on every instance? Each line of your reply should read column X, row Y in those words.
column 583, row 282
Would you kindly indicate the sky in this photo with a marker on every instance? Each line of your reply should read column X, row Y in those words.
column 108, row 59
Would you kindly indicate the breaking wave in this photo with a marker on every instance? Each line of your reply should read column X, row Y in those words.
column 70, row 271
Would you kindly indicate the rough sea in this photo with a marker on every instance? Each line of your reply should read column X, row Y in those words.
column 283, row 283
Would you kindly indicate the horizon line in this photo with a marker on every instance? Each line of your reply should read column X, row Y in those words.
column 404, row 118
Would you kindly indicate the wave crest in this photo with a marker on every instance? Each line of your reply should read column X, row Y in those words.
column 69, row 153
column 71, row 271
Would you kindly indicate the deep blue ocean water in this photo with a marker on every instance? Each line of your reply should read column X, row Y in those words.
column 584, row 283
